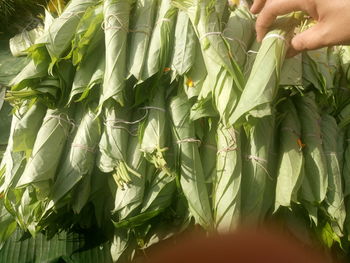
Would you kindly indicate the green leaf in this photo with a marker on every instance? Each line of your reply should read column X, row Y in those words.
column 5, row 122
column 291, row 160
column 116, row 26
column 64, row 247
column 192, row 176
column 227, row 182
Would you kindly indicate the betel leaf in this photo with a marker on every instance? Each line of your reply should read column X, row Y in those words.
column 291, row 160
column 256, row 169
column 225, row 79
column 263, row 82
column 161, row 40
column 63, row 247
column 79, row 156
column 27, row 128
column 5, row 122
column 315, row 182
column 9, row 66
column 61, row 32
column 116, row 27
column 128, row 201
column 227, row 182
column 192, row 176
column 239, row 33
column 335, row 197
column 184, row 45
column 49, row 144
column 141, row 27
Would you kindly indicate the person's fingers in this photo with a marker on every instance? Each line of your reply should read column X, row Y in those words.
column 274, row 8
column 257, row 6
column 313, row 38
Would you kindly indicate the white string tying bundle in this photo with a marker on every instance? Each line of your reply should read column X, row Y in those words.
column 248, row 65
column 210, row 34
column 84, row 147
column 272, row 35
column 112, row 122
column 241, row 43
column 259, row 161
column 227, row 149
column 121, row 128
column 189, row 140
column 68, row 14
column 256, row 158
column 161, row 20
column 62, row 118
column 145, row 29
column 115, row 121
column 153, row 108
column 115, row 16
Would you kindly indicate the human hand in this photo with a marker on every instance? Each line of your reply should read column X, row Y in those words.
column 332, row 17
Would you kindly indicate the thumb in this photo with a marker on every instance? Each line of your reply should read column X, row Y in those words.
column 313, row 38
column 257, row 6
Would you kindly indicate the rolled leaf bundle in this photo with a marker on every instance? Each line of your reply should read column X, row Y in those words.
column 208, row 153
column 80, row 156
column 256, row 99
column 154, row 130
column 88, row 75
column 141, row 26
column 63, row 28
column 116, row 26
column 192, row 176
column 160, row 42
column 256, row 169
column 239, row 33
column 12, row 163
column 88, row 34
column 36, row 68
column 225, row 80
column 227, row 183
column 128, row 201
column 160, row 194
column 26, row 130
column 114, row 141
column 196, row 76
column 291, row 163
column 157, row 198
column 315, row 183
column 334, row 198
column 49, row 144
column 185, row 44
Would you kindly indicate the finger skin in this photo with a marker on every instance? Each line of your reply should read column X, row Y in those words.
column 257, row 6
column 274, row 8
column 331, row 17
column 310, row 39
